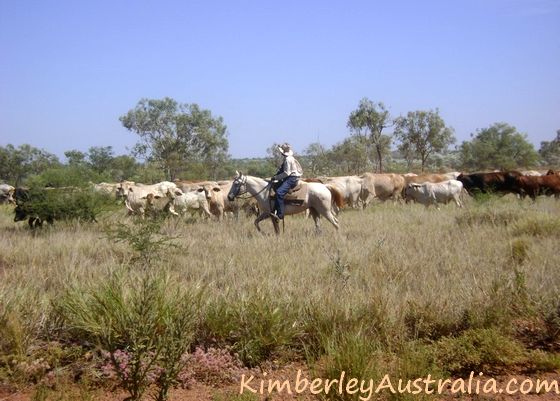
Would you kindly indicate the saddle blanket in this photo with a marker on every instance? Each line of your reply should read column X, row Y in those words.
column 296, row 195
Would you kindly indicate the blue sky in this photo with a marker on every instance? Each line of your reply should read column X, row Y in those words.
column 275, row 71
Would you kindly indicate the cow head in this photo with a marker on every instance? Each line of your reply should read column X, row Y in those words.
column 211, row 190
column 409, row 190
column 123, row 187
column 8, row 196
column 20, row 213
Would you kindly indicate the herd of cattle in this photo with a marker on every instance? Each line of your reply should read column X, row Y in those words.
column 209, row 198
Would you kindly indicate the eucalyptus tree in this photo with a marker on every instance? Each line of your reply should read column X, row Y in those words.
column 368, row 121
column 422, row 133
column 177, row 135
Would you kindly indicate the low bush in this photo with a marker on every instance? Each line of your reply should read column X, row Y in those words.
column 256, row 327
column 478, row 350
column 144, row 322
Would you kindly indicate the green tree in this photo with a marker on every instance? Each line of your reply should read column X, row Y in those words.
column 349, row 156
column 75, row 157
column 369, row 120
column 16, row 164
column 123, row 167
column 100, row 158
column 499, row 146
column 175, row 135
column 317, row 158
column 422, row 133
column 550, row 151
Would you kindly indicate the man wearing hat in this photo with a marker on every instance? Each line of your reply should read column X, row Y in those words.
column 285, row 179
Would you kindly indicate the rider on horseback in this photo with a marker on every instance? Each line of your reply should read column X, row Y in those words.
column 286, row 178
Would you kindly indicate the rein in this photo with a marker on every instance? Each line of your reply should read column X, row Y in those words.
column 255, row 195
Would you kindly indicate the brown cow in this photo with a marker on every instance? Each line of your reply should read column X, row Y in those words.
column 542, row 185
column 500, row 181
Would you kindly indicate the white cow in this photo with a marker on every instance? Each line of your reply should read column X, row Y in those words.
column 7, row 194
column 350, row 186
column 193, row 200
column 160, row 189
column 430, row 193
column 139, row 203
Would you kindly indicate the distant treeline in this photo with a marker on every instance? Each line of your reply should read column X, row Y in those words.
column 184, row 141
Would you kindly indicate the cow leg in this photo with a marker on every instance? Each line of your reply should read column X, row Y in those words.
column 457, row 201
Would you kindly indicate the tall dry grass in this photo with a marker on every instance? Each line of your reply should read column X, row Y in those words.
column 393, row 276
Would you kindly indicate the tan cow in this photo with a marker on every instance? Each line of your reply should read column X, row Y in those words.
column 382, row 187
column 420, row 179
column 106, row 188
column 141, row 198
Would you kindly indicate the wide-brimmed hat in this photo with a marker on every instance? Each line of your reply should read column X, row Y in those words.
column 286, row 149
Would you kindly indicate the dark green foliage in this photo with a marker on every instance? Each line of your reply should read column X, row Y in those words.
column 18, row 163
column 65, row 203
column 78, row 176
column 499, row 146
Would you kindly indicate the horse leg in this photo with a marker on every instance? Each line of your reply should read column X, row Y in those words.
column 316, row 218
column 259, row 219
column 332, row 219
column 276, row 226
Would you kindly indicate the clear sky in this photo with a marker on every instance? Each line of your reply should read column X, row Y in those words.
column 274, row 70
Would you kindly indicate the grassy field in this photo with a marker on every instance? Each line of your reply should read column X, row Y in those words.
column 400, row 289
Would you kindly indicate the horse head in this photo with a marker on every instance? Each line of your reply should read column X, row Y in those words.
column 238, row 182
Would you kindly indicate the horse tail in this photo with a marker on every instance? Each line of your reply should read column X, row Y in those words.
column 336, row 195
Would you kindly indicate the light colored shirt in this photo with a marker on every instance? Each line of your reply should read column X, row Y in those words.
column 290, row 167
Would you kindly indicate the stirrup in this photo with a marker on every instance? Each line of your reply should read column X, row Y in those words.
column 274, row 216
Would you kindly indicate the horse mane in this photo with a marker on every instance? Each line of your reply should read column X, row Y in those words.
column 337, row 195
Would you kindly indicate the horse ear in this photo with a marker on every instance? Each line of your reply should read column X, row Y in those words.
column 236, row 173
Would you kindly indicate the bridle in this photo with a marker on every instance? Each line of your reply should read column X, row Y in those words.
column 242, row 182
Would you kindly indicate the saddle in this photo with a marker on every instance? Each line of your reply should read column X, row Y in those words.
column 295, row 196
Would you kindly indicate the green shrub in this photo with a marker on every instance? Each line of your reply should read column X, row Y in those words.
column 478, row 350
column 145, row 322
column 66, row 176
column 144, row 237
column 65, row 203
column 354, row 354
column 256, row 327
